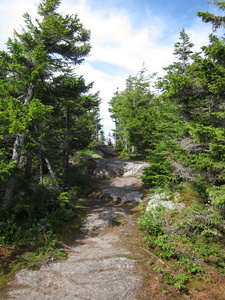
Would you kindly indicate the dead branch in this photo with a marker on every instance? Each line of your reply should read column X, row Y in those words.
column 153, row 255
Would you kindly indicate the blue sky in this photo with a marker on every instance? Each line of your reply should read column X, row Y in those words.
column 124, row 35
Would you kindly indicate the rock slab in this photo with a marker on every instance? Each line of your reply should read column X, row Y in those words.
column 121, row 179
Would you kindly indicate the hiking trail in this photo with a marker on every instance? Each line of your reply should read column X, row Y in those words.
column 101, row 263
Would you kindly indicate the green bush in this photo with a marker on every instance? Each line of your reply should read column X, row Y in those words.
column 151, row 224
column 158, row 174
column 217, row 193
column 160, row 171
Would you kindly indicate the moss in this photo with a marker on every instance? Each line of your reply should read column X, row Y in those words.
column 189, row 194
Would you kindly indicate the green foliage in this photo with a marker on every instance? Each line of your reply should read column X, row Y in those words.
column 166, row 246
column 201, row 219
column 185, row 237
column 159, row 173
column 191, row 268
column 217, row 21
column 217, row 193
column 204, row 134
column 151, row 223
column 90, row 153
column 44, row 116
column 44, row 254
column 5, row 167
column 49, row 207
column 132, row 114
column 178, row 280
column 41, row 216
column 182, row 50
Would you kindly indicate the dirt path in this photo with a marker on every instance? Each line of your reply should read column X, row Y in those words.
column 102, row 263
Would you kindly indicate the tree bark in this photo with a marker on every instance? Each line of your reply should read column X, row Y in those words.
column 17, row 150
column 42, row 159
column 41, row 170
column 28, row 166
column 51, row 172
column 66, row 144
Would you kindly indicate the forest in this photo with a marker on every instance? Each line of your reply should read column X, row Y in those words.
column 49, row 119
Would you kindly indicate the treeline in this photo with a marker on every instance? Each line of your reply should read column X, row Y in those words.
column 47, row 113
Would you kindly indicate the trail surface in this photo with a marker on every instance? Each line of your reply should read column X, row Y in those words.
column 99, row 264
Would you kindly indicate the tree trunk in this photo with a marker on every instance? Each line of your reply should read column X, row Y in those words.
column 49, row 167
column 42, row 159
column 17, row 149
column 28, row 166
column 7, row 199
column 41, row 170
column 52, row 174
column 66, row 144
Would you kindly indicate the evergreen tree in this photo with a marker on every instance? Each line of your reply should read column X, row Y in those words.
column 183, row 52
column 29, row 76
column 217, row 21
column 178, row 85
column 102, row 137
column 142, row 119
column 129, row 108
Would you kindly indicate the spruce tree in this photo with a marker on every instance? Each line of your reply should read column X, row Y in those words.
column 183, row 51
column 51, row 45
column 217, row 21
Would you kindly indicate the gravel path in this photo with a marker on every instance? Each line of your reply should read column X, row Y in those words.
column 98, row 265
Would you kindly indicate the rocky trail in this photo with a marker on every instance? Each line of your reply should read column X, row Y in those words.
column 101, row 264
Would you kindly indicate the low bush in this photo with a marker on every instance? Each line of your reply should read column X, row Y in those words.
column 184, row 238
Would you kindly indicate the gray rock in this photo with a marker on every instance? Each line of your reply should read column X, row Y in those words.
column 95, row 280
column 134, row 169
column 126, row 177
column 134, row 197
column 118, row 194
column 100, row 218
column 162, row 200
column 110, row 168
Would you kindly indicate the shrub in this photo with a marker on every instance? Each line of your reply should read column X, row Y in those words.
column 185, row 238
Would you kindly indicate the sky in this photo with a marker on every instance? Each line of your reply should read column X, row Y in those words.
column 125, row 34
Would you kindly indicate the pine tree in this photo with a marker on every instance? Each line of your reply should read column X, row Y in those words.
column 128, row 108
column 178, row 85
column 217, row 21
column 102, row 138
column 183, row 52
column 54, row 43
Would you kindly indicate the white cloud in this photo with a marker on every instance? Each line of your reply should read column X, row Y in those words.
column 107, row 85
column 199, row 34
column 116, row 41
column 12, row 16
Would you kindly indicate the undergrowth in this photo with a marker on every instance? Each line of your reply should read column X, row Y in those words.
column 189, row 246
